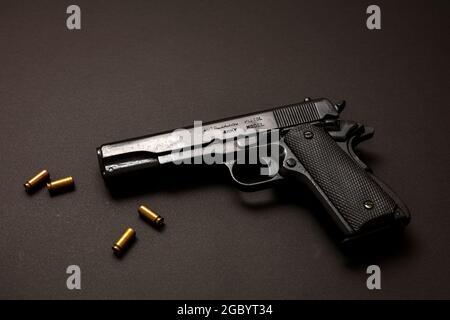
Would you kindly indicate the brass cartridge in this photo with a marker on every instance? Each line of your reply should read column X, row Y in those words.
column 124, row 241
column 151, row 216
column 37, row 180
column 60, row 185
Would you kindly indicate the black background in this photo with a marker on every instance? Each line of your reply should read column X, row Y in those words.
column 140, row 67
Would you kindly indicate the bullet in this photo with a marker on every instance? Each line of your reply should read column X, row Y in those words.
column 149, row 215
column 37, row 180
column 124, row 241
column 60, row 185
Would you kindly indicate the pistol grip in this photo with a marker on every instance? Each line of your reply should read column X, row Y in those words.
column 356, row 200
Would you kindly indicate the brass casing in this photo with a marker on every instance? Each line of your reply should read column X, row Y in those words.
column 151, row 216
column 36, row 180
column 124, row 241
column 64, row 183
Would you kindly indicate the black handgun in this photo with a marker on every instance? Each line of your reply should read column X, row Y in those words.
column 305, row 142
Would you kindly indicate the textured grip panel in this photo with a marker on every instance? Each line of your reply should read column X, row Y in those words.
column 349, row 188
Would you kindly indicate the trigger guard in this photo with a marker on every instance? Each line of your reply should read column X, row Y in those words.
column 254, row 186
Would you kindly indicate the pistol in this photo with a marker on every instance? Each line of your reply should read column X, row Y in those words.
column 304, row 142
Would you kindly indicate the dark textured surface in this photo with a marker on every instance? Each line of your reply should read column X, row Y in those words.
column 344, row 182
column 140, row 67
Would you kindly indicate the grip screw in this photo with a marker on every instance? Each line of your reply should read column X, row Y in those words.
column 368, row 205
column 291, row 162
column 308, row 134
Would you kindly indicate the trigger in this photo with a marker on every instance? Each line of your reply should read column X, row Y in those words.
column 249, row 181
